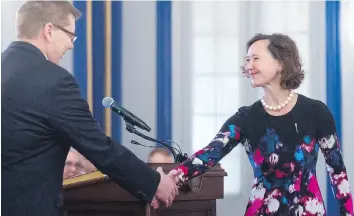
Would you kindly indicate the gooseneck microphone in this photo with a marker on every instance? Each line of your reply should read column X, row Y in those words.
column 129, row 117
column 131, row 121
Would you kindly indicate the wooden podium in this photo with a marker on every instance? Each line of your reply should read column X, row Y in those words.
column 96, row 195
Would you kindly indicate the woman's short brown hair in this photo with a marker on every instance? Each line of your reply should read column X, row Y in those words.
column 283, row 49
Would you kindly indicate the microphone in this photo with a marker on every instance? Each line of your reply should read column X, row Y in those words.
column 150, row 146
column 178, row 157
column 129, row 117
column 131, row 121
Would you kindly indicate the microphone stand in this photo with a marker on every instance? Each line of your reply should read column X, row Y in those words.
column 178, row 158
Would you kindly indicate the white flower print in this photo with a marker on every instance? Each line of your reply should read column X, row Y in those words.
column 299, row 211
column 327, row 142
column 340, row 180
column 224, row 139
column 343, row 187
column 247, row 145
column 181, row 176
column 291, row 188
column 273, row 205
column 273, row 158
column 279, row 145
column 315, row 207
column 275, row 193
column 341, row 175
column 197, row 161
column 329, row 169
column 257, row 192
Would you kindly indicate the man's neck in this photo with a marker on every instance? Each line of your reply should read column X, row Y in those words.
column 37, row 44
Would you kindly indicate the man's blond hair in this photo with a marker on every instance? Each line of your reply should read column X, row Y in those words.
column 33, row 15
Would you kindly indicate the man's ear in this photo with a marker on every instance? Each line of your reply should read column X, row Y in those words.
column 48, row 30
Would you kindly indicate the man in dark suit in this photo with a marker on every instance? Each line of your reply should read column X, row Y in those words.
column 43, row 113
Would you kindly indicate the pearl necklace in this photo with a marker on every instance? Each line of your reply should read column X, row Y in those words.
column 280, row 106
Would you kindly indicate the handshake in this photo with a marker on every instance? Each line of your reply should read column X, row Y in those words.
column 167, row 189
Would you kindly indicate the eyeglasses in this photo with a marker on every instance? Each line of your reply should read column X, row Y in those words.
column 71, row 34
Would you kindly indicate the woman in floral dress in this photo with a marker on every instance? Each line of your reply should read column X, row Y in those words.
column 282, row 134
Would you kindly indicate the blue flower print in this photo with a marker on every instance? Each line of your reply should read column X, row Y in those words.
column 299, row 154
column 335, row 158
column 232, row 131
column 307, row 139
column 284, row 200
column 270, row 140
column 204, row 157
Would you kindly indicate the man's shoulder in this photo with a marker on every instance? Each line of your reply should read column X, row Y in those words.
column 56, row 74
column 54, row 69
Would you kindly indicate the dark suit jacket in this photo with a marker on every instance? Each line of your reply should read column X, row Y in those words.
column 42, row 115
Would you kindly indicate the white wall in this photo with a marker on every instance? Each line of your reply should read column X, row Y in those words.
column 8, row 14
column 347, row 46
column 139, row 69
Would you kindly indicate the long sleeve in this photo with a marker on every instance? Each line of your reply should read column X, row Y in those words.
column 228, row 137
column 71, row 119
column 330, row 147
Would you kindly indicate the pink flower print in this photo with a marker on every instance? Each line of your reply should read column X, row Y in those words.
column 310, row 146
column 279, row 174
column 238, row 135
column 253, row 209
column 211, row 163
column 314, row 188
column 200, row 152
column 257, row 157
column 348, row 205
column 298, row 182
column 184, row 169
column 297, row 186
column 292, row 167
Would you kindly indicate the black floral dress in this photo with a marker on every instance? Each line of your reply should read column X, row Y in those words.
column 282, row 151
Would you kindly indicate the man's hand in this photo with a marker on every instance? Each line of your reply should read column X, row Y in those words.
column 171, row 176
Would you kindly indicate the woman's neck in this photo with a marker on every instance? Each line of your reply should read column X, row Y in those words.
column 274, row 96
column 278, row 101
